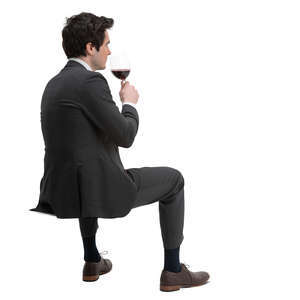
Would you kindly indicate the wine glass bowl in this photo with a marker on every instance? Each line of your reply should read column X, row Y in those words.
column 119, row 65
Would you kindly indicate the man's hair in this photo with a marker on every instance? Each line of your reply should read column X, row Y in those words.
column 81, row 29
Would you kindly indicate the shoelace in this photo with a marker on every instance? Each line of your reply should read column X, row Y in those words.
column 188, row 266
column 103, row 252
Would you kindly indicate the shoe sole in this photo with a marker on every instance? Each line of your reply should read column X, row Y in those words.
column 89, row 278
column 172, row 288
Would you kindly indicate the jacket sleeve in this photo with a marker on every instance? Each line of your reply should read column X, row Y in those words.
column 97, row 103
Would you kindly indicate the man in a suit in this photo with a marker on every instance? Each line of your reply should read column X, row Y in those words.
column 84, row 177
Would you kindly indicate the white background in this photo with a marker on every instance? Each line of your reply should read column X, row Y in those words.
column 219, row 101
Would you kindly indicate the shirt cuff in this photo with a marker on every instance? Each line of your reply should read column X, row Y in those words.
column 130, row 103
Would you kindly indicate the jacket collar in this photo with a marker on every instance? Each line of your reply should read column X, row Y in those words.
column 73, row 63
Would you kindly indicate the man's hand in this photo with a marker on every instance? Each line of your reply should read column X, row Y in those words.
column 128, row 92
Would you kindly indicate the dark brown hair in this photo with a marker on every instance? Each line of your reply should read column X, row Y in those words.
column 81, row 29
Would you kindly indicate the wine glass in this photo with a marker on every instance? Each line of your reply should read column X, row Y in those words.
column 119, row 65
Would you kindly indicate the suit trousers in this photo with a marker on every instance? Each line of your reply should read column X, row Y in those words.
column 164, row 185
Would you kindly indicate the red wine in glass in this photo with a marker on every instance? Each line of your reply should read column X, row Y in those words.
column 119, row 65
column 121, row 73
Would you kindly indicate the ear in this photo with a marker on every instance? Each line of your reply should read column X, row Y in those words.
column 89, row 48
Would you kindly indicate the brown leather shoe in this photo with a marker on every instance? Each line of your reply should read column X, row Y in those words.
column 172, row 281
column 92, row 270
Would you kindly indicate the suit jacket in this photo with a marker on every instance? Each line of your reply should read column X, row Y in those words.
column 82, row 129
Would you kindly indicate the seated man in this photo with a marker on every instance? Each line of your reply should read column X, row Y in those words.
column 84, row 177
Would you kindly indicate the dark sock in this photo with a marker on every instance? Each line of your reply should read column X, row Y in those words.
column 91, row 253
column 172, row 262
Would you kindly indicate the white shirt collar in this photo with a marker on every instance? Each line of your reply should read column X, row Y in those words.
column 81, row 62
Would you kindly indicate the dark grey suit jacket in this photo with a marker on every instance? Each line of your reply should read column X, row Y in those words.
column 82, row 129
